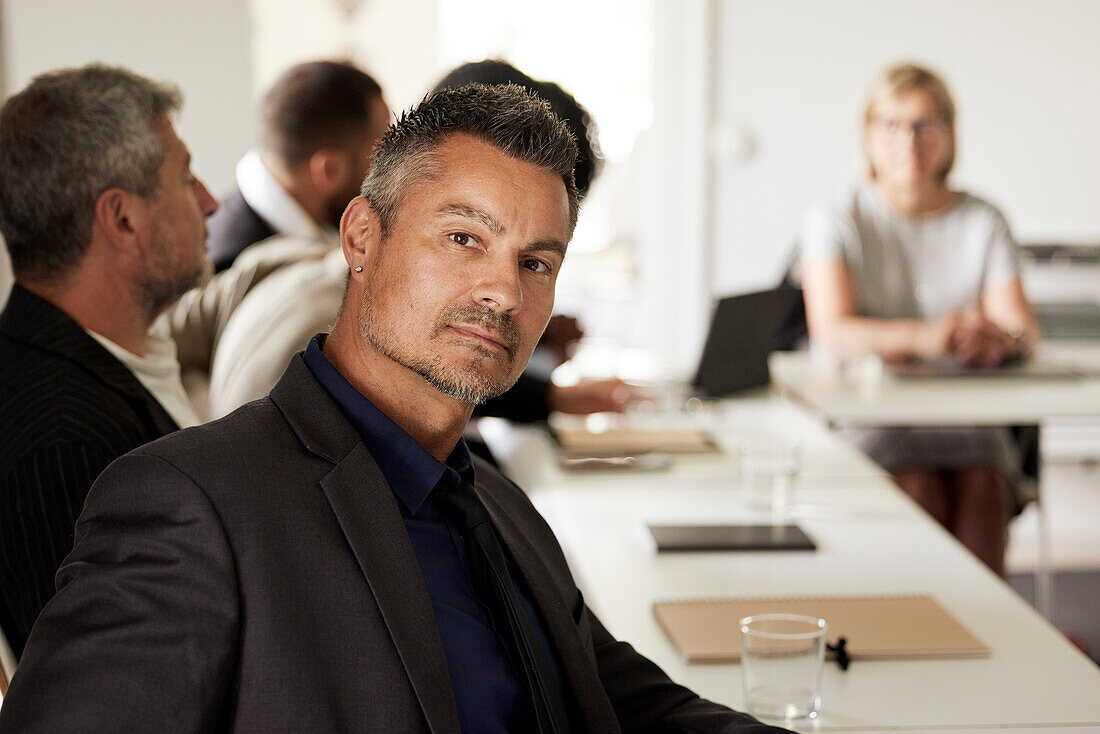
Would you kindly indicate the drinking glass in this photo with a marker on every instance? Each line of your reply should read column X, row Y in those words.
column 769, row 469
column 781, row 661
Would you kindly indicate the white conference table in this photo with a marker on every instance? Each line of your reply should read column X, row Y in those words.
column 861, row 392
column 872, row 540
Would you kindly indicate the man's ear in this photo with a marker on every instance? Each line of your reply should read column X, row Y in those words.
column 328, row 169
column 122, row 219
column 360, row 235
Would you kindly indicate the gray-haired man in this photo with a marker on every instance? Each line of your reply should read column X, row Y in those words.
column 330, row 558
column 104, row 222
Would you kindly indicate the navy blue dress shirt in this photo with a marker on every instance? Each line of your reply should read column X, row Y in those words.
column 489, row 693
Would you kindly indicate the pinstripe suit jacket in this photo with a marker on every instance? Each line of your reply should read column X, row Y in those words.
column 67, row 409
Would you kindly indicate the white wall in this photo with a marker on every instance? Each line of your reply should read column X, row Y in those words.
column 394, row 40
column 792, row 73
column 202, row 45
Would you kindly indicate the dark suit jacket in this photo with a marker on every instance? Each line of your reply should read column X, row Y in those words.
column 68, row 408
column 234, row 227
column 254, row 575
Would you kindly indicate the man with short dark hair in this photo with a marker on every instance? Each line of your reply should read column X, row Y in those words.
column 320, row 120
column 331, row 558
column 105, row 225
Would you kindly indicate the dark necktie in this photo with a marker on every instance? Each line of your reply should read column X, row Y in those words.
column 494, row 585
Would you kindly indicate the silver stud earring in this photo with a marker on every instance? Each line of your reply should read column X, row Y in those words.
column 358, row 268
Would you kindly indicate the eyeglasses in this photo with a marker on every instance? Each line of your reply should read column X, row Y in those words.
column 922, row 129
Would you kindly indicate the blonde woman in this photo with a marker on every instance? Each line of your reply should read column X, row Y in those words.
column 906, row 266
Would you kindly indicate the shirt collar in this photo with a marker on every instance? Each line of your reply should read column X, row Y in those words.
column 270, row 200
column 410, row 470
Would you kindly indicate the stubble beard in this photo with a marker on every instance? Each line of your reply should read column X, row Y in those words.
column 473, row 386
column 159, row 286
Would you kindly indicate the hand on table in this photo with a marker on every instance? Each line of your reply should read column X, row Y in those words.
column 934, row 339
column 979, row 343
column 591, row 396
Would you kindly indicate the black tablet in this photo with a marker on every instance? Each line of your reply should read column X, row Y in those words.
column 730, row 538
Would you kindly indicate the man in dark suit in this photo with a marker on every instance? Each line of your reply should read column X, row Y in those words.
column 331, row 558
column 320, row 121
column 105, row 225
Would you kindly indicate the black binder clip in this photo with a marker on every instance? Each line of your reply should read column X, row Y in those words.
column 840, row 652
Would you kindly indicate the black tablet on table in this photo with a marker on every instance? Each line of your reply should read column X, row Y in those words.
column 730, row 538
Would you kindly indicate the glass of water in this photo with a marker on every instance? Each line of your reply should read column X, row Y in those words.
column 769, row 469
column 781, row 661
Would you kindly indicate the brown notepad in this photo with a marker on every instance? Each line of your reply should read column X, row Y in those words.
column 631, row 441
column 706, row 631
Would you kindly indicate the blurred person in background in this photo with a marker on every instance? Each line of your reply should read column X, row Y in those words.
column 904, row 267
column 319, row 124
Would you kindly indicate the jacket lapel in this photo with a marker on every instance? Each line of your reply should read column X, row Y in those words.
column 40, row 324
column 578, row 663
column 367, row 512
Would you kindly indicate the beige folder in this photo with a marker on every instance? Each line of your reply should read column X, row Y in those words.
column 706, row 631
column 632, row 441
